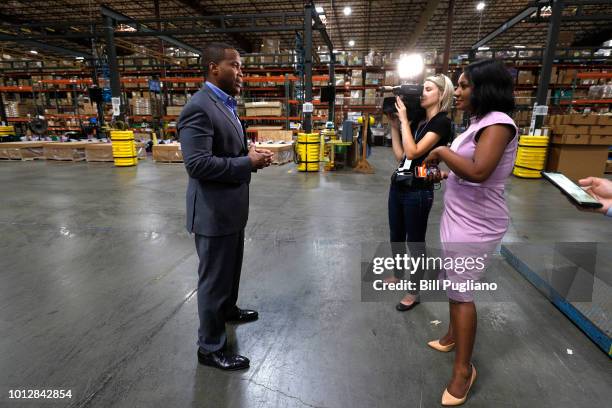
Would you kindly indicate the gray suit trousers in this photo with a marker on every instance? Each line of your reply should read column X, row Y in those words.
column 218, row 282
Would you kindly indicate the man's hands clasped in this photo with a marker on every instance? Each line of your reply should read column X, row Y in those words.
column 260, row 158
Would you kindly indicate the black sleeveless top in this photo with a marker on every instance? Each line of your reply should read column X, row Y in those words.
column 439, row 124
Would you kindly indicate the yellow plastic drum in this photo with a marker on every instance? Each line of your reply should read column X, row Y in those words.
column 531, row 156
column 308, row 148
column 124, row 148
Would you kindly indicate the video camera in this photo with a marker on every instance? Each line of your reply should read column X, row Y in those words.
column 411, row 96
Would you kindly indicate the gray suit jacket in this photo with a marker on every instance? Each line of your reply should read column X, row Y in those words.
column 215, row 156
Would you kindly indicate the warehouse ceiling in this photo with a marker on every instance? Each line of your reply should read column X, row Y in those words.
column 384, row 25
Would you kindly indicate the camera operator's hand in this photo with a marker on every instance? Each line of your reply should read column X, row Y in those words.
column 600, row 189
column 402, row 113
column 393, row 120
column 259, row 160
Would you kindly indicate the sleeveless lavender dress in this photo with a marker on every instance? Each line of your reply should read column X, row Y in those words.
column 475, row 216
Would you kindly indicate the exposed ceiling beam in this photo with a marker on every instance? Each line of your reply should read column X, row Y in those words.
column 37, row 44
column 122, row 18
column 510, row 23
column 48, row 47
column 241, row 40
column 422, row 24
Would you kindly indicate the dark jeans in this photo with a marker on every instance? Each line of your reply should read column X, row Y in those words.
column 408, row 213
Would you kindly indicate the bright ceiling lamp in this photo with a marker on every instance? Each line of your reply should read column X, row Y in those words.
column 347, row 10
column 480, row 6
column 351, row 43
column 410, row 66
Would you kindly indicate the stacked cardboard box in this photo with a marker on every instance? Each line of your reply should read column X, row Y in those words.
column 524, row 97
column 173, row 110
column 580, row 144
column 374, row 78
column 339, row 79
column 19, row 109
column 270, row 46
column 356, row 97
column 391, row 78
column 267, row 135
column 356, row 78
column 522, row 118
column 141, row 106
column 270, row 108
column 370, row 97
column 526, row 78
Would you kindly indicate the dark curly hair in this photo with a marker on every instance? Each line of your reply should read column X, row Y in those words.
column 492, row 87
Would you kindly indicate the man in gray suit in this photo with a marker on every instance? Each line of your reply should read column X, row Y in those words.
column 219, row 163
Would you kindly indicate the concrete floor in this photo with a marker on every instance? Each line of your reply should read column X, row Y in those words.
column 97, row 280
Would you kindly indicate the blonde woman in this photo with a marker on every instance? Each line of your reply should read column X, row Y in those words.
column 411, row 198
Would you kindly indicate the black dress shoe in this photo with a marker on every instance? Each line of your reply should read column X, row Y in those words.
column 404, row 308
column 223, row 360
column 242, row 316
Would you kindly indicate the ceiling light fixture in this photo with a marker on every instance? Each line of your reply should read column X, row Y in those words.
column 480, row 6
column 33, row 52
column 351, row 43
column 347, row 10
column 410, row 66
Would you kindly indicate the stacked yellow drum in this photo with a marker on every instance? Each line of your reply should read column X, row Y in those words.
column 308, row 149
column 7, row 131
column 124, row 148
column 531, row 156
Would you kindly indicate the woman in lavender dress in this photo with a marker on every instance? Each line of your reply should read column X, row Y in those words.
column 475, row 212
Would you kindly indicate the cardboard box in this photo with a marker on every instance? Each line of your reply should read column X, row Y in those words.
column 578, row 162
column 525, row 77
column 173, row 110
column 605, row 140
column 169, row 153
column 275, row 135
column 71, row 151
column 601, row 130
column 264, row 127
column 604, row 120
column 579, row 119
column 568, row 76
column 570, row 129
column 264, row 112
column 22, row 150
column 270, row 108
column 583, row 139
column 282, row 153
column 99, row 152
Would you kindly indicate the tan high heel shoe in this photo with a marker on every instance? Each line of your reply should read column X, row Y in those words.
column 435, row 344
column 448, row 400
